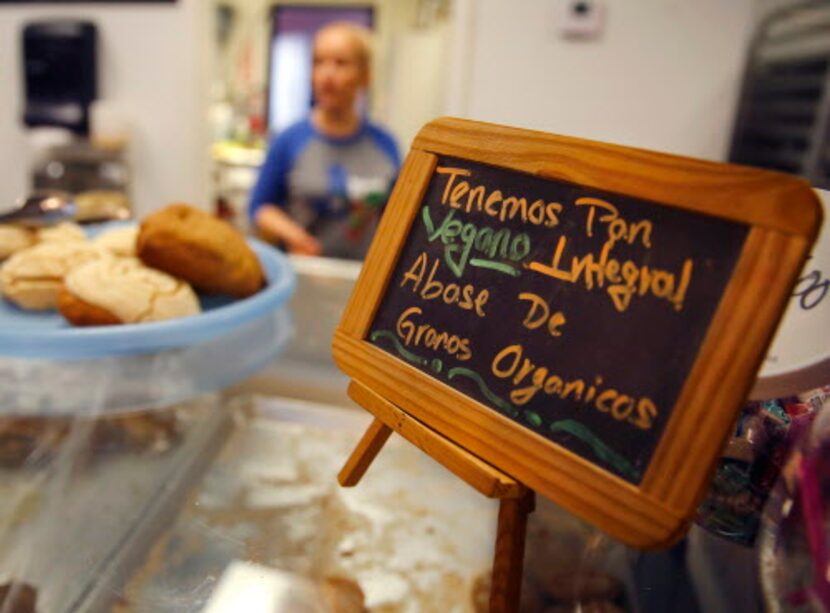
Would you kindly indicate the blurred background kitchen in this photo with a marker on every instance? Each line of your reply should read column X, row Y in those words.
column 192, row 88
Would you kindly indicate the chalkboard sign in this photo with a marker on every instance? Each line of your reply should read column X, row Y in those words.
column 573, row 311
column 585, row 317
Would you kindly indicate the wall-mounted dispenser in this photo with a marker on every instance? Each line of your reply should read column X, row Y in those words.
column 60, row 73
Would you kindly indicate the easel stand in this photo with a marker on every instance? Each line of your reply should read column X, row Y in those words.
column 516, row 501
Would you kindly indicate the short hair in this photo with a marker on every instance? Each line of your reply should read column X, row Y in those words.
column 361, row 36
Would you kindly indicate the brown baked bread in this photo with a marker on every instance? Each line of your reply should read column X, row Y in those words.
column 17, row 597
column 27, row 441
column 32, row 277
column 78, row 312
column 64, row 231
column 204, row 251
column 123, row 290
column 119, row 241
column 14, row 238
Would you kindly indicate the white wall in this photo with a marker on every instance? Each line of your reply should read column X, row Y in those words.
column 764, row 7
column 417, row 76
column 664, row 75
column 153, row 63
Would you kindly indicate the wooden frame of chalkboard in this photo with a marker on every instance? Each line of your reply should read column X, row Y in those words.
column 618, row 308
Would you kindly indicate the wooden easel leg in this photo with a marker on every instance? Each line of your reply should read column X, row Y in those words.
column 370, row 444
column 506, row 585
column 515, row 500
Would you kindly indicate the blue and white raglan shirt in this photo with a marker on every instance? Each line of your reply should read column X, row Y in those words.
column 335, row 188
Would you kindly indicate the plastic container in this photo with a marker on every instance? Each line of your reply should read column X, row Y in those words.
column 48, row 367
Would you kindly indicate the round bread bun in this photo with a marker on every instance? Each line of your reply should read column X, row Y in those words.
column 204, row 251
column 32, row 277
column 99, row 204
column 14, row 238
column 123, row 291
column 119, row 241
column 81, row 313
column 64, row 231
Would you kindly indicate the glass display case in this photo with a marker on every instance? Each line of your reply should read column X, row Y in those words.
column 131, row 483
column 202, row 477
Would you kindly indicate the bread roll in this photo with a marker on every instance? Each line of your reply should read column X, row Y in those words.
column 17, row 597
column 122, row 290
column 204, row 251
column 14, row 238
column 64, row 231
column 119, row 241
column 101, row 204
column 32, row 277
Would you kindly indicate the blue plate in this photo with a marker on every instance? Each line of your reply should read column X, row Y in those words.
column 27, row 334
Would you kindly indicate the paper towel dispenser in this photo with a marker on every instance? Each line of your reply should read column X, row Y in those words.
column 60, row 73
